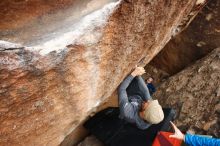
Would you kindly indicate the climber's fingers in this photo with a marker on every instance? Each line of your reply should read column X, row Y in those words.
column 141, row 70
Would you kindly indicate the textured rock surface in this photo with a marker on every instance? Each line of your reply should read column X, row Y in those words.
column 158, row 74
column 36, row 21
column 194, row 93
column 200, row 38
column 90, row 141
column 48, row 89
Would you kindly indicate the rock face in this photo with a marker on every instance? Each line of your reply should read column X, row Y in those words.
column 197, row 40
column 36, row 21
column 51, row 82
column 194, row 93
column 91, row 141
column 158, row 74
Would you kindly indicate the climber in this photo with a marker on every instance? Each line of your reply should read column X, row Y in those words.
column 194, row 140
column 150, row 85
column 141, row 111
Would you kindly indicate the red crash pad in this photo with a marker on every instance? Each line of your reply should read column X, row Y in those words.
column 162, row 139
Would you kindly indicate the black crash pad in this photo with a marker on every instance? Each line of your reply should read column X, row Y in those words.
column 113, row 131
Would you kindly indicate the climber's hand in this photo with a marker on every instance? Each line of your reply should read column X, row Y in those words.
column 138, row 71
column 178, row 134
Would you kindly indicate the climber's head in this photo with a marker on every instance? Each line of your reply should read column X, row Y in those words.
column 152, row 112
column 150, row 80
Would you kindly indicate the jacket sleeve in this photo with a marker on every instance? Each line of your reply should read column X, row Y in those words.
column 122, row 93
column 144, row 89
column 195, row 140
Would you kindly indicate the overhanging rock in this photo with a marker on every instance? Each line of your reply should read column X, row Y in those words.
column 68, row 59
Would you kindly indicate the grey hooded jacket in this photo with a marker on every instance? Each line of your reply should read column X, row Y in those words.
column 130, row 106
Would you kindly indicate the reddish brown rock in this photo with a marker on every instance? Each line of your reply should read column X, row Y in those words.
column 69, row 66
column 192, row 92
column 197, row 40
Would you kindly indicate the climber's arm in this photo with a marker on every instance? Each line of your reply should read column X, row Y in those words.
column 144, row 89
column 122, row 93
